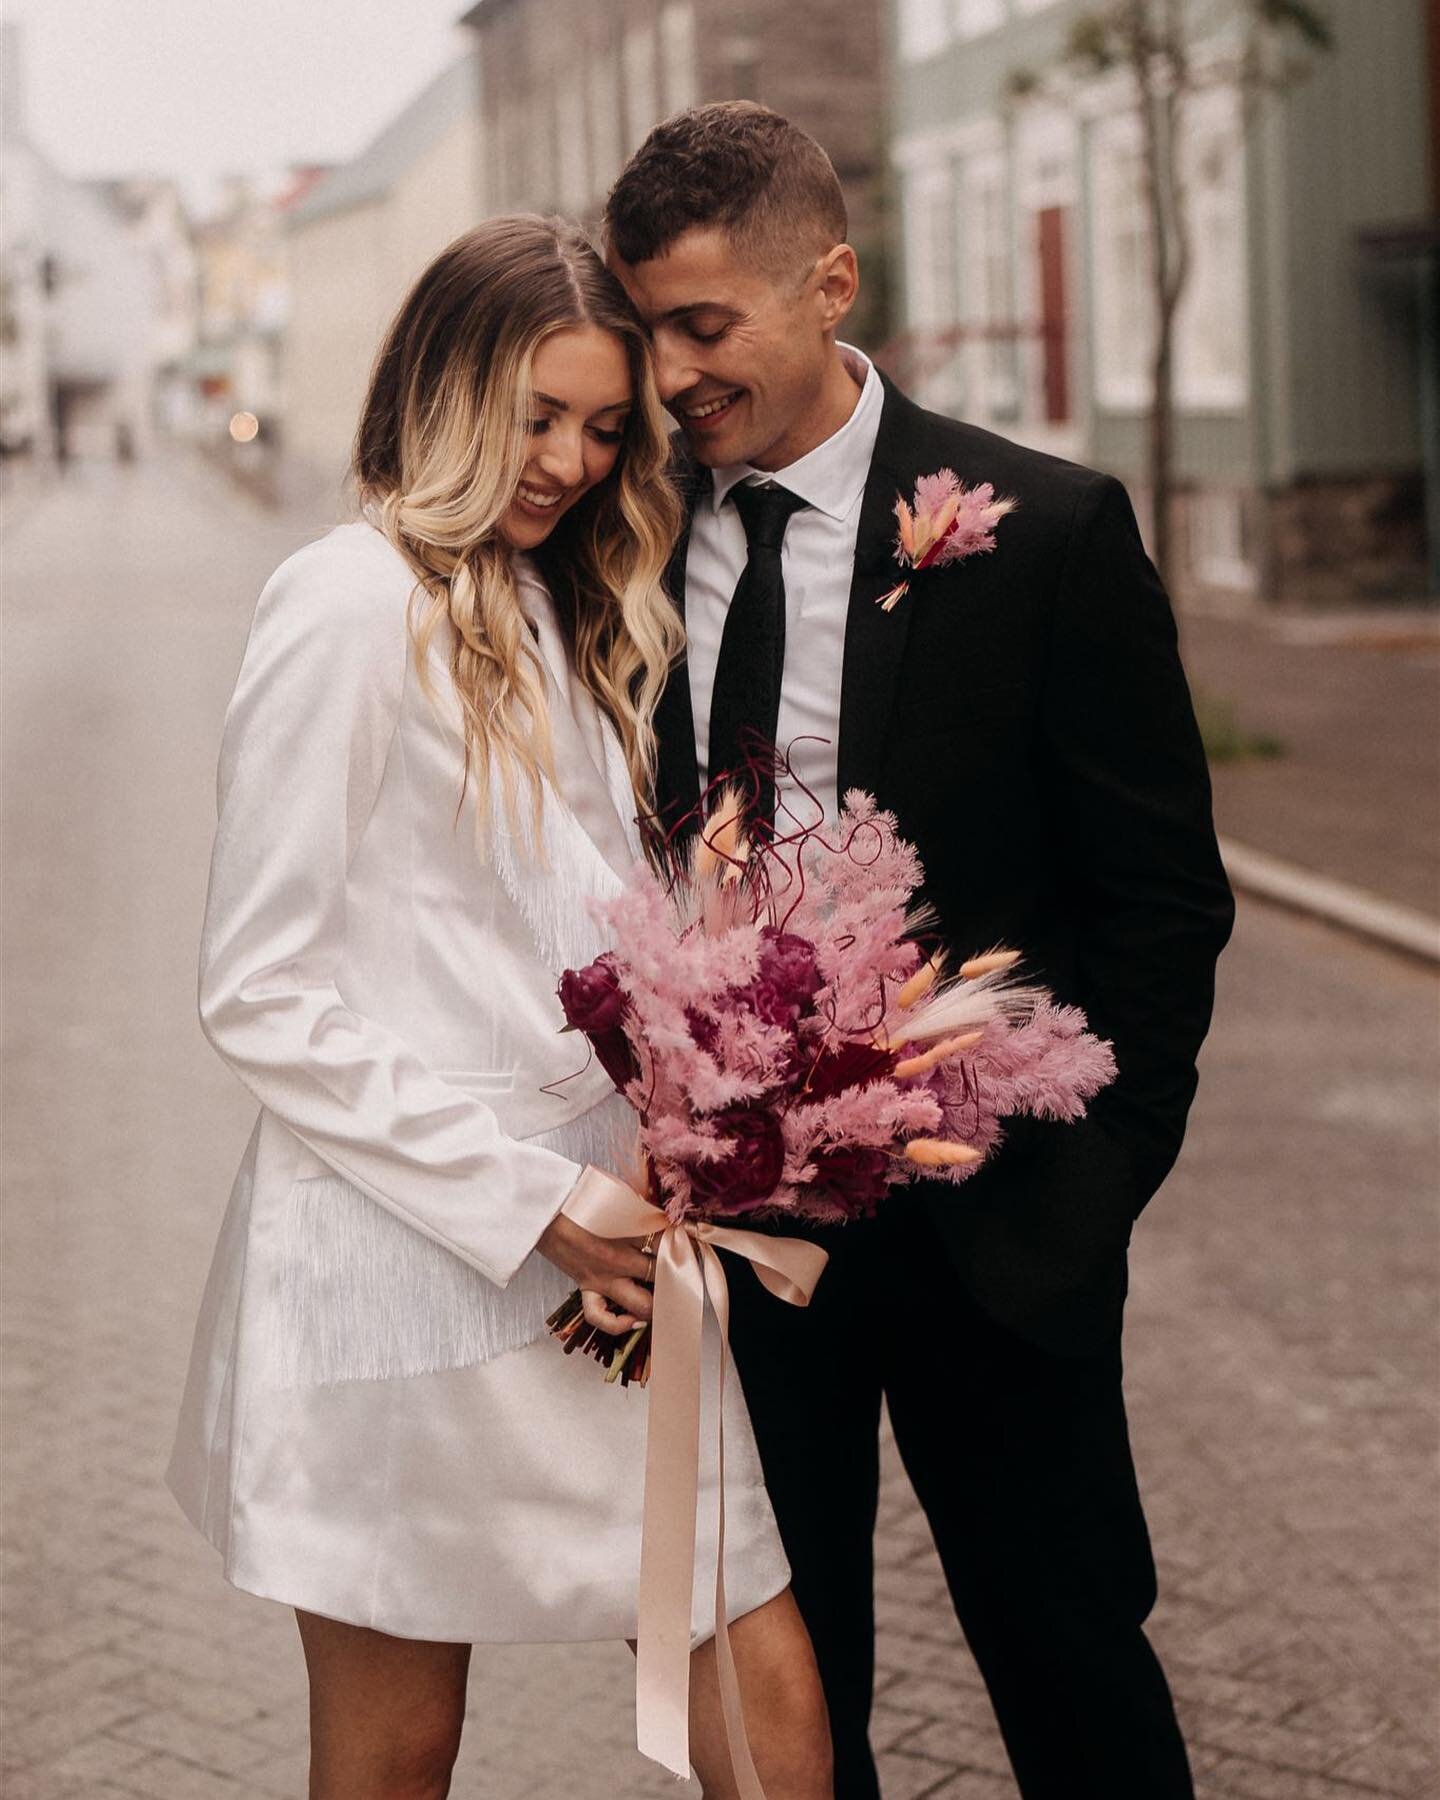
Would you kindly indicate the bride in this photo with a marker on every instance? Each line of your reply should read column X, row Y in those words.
column 438, row 743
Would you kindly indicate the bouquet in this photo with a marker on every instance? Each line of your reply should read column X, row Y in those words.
column 789, row 1047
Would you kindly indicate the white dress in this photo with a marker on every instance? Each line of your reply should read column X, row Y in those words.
column 375, row 1425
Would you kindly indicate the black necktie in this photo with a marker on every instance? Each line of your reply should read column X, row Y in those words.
column 745, row 701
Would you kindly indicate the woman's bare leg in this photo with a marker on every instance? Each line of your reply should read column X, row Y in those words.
column 784, row 1703
column 385, row 1712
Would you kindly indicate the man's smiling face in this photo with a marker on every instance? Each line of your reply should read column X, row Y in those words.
column 741, row 352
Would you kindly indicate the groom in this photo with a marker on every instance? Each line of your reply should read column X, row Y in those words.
column 1025, row 716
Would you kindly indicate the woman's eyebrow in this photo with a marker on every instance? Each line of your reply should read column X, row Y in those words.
column 564, row 405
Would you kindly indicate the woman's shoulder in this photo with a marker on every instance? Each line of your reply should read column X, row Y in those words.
column 352, row 578
column 356, row 551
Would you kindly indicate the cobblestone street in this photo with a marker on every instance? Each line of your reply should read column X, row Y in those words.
column 1280, row 1346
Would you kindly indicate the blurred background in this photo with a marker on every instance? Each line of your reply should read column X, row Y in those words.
column 1195, row 243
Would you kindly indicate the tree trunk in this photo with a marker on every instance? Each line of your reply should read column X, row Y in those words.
column 1160, row 67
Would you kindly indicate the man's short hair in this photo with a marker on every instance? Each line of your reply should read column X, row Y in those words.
column 736, row 166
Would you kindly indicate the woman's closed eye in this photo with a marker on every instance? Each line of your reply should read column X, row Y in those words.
column 539, row 427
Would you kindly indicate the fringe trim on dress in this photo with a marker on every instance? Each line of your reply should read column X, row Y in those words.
column 552, row 899
column 363, row 1296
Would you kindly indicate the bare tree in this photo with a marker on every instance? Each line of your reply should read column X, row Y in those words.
column 1172, row 50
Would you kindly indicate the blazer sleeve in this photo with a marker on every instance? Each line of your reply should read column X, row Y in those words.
column 306, row 744
column 1131, row 785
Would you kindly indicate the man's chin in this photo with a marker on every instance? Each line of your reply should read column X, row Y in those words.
column 718, row 445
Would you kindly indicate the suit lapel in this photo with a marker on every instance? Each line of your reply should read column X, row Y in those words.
column 677, row 780
column 875, row 640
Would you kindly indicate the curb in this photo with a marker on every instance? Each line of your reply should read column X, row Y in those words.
column 1336, row 902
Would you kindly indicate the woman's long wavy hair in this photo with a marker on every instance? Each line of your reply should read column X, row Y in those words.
column 443, row 438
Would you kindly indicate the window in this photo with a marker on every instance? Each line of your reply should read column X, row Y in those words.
column 987, row 257
column 1211, row 339
column 642, row 105
column 930, row 249
column 677, row 55
column 936, row 365
column 605, row 154
column 575, row 187
column 924, row 28
column 973, row 17
column 1123, row 300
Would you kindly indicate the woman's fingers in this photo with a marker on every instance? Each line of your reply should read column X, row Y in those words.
column 599, row 1313
column 630, row 1296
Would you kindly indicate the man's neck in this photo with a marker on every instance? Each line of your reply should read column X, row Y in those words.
column 835, row 403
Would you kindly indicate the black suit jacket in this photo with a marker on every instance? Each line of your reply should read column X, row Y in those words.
column 1026, row 717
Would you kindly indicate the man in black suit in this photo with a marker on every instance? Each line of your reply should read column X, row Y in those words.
column 1025, row 715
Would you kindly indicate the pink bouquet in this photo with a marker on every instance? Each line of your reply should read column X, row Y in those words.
column 790, row 1049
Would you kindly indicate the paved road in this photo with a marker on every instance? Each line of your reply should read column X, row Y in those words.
column 1280, row 1347
column 1352, row 700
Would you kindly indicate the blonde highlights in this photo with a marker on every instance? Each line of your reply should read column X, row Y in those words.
column 443, row 438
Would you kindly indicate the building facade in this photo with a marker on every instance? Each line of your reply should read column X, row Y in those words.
column 80, row 304
column 569, row 88
column 1022, row 231
column 354, row 243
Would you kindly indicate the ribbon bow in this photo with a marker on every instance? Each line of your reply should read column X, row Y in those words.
column 686, row 1269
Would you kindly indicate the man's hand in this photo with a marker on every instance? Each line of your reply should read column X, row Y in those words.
column 611, row 1274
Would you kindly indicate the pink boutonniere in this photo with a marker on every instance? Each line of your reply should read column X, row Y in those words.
column 947, row 522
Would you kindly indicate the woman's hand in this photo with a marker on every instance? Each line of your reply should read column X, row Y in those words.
column 611, row 1274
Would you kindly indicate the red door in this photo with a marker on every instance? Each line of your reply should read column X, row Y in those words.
column 1054, row 322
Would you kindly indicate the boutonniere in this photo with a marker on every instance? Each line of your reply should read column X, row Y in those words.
column 946, row 523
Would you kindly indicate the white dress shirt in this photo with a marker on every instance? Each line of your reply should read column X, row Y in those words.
column 817, row 563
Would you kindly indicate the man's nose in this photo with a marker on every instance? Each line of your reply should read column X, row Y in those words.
column 674, row 371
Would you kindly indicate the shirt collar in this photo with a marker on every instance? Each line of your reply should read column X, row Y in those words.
column 832, row 476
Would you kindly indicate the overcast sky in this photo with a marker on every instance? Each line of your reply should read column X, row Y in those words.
column 200, row 88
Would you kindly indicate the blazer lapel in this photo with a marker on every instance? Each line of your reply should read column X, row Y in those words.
column 875, row 640
column 677, row 780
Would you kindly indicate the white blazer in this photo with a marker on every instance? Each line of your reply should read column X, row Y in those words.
column 385, row 986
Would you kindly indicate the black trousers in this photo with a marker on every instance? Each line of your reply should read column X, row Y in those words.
column 1021, row 1461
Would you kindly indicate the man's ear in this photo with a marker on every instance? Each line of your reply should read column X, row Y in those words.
column 837, row 277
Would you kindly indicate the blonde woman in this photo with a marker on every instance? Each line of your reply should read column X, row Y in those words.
column 433, row 756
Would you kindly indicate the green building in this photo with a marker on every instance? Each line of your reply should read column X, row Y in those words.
column 1308, row 376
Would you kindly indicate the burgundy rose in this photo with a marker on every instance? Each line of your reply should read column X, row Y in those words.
column 594, row 1002
column 770, row 1003
column 592, row 997
column 746, row 1178
column 787, row 963
column 853, row 1064
column 854, row 1175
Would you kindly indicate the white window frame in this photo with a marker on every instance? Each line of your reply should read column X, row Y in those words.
column 679, row 78
column 642, row 97
column 573, row 178
column 986, row 244
column 1123, row 324
column 923, row 28
column 607, row 155
column 974, row 18
column 1214, row 304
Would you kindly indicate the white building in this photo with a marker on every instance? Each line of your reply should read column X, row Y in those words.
column 80, row 307
column 356, row 243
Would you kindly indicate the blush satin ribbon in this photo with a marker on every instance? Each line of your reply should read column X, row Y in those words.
column 686, row 1269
